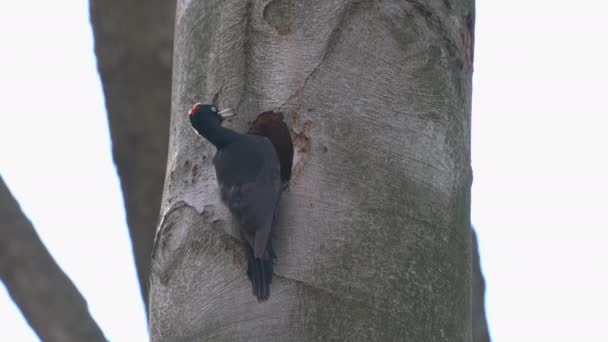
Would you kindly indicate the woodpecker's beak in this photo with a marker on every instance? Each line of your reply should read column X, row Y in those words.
column 226, row 113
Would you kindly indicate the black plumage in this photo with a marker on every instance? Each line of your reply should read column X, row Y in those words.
column 249, row 175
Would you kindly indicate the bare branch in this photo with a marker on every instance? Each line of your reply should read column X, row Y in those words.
column 46, row 296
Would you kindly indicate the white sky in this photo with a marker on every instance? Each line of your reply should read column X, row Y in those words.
column 539, row 157
column 55, row 156
column 541, row 168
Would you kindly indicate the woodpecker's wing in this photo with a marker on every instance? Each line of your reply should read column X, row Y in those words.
column 248, row 173
column 270, row 124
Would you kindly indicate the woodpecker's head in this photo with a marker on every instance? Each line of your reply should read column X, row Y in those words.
column 206, row 118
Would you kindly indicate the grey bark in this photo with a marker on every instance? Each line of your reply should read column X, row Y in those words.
column 133, row 43
column 373, row 240
column 48, row 299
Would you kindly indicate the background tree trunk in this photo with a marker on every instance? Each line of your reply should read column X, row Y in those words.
column 133, row 43
column 480, row 326
column 374, row 239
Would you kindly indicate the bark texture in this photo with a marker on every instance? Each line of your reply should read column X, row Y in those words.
column 48, row 299
column 374, row 239
column 133, row 43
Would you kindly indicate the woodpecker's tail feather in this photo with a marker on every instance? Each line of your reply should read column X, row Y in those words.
column 259, row 271
column 262, row 278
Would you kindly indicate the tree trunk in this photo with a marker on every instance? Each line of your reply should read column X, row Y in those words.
column 373, row 240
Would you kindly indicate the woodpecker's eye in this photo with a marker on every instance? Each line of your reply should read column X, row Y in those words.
column 214, row 109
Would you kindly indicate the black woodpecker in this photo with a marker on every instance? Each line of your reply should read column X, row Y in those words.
column 249, row 176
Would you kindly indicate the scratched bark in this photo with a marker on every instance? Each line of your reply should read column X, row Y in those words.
column 374, row 238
